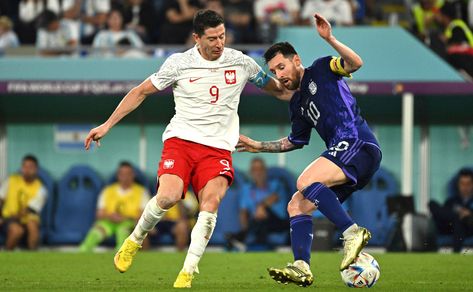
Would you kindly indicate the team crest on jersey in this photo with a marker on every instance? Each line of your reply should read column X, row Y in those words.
column 312, row 87
column 230, row 76
column 168, row 164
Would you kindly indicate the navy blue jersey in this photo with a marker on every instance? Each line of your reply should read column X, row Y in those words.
column 325, row 103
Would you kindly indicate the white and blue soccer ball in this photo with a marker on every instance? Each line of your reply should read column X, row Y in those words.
column 363, row 272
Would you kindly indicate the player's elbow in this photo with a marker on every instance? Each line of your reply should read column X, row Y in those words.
column 357, row 63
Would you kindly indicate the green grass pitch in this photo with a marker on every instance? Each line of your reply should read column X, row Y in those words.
column 155, row 271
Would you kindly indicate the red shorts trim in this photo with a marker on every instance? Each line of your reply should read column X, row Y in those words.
column 195, row 163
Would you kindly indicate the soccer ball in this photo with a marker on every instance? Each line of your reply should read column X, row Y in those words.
column 364, row 272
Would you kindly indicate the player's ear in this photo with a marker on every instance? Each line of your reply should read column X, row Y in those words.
column 196, row 38
column 297, row 60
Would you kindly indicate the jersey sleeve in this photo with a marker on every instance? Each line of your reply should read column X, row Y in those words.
column 4, row 189
column 167, row 74
column 101, row 200
column 256, row 74
column 300, row 129
column 37, row 203
column 331, row 65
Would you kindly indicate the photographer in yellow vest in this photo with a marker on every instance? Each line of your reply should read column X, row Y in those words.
column 22, row 196
column 119, row 206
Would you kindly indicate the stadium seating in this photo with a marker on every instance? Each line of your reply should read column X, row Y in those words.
column 74, row 210
column 289, row 184
column 46, row 215
column 368, row 207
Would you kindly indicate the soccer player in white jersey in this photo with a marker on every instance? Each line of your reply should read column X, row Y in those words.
column 207, row 81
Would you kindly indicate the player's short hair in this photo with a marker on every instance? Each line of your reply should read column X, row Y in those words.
column 259, row 160
column 285, row 48
column 125, row 164
column 32, row 158
column 466, row 172
column 204, row 19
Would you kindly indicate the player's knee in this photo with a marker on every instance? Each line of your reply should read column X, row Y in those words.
column 210, row 204
column 303, row 182
column 167, row 201
column 293, row 208
column 15, row 230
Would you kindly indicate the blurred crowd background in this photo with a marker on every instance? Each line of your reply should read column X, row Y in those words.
column 62, row 27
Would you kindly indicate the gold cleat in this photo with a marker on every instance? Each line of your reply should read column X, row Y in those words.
column 124, row 256
column 183, row 280
column 352, row 246
column 298, row 273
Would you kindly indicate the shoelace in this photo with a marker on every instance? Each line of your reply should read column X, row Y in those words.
column 129, row 250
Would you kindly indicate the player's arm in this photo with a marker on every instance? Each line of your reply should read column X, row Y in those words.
column 275, row 88
column 246, row 144
column 349, row 61
column 130, row 102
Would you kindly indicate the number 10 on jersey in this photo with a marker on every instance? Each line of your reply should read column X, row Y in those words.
column 214, row 92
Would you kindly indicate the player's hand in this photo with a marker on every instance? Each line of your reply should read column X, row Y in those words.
column 95, row 135
column 116, row 218
column 245, row 144
column 464, row 212
column 323, row 26
column 260, row 213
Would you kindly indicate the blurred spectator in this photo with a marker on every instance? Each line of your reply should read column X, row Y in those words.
column 139, row 16
column 424, row 17
column 22, row 197
column 177, row 25
column 239, row 20
column 88, row 16
column 469, row 12
column 29, row 12
column 217, row 6
column 119, row 207
column 456, row 215
column 106, row 41
column 337, row 12
column 178, row 221
column 54, row 36
column 273, row 13
column 8, row 38
column 458, row 38
column 262, row 208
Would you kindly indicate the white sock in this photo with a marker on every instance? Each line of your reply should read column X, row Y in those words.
column 350, row 230
column 152, row 214
column 200, row 237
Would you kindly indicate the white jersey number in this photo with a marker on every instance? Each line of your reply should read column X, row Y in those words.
column 313, row 113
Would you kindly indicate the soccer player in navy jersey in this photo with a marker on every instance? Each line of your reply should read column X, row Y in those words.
column 321, row 100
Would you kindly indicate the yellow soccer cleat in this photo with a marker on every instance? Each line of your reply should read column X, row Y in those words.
column 124, row 256
column 183, row 280
column 298, row 273
column 353, row 243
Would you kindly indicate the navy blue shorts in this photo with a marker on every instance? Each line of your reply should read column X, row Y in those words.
column 359, row 161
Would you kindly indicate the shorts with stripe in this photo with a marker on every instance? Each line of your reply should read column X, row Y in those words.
column 359, row 160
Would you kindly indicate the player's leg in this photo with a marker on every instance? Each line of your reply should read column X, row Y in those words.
column 314, row 183
column 300, row 217
column 169, row 193
column 15, row 232
column 101, row 230
column 209, row 197
column 32, row 231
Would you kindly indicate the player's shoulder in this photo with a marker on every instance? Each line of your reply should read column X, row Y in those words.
column 235, row 56
column 322, row 61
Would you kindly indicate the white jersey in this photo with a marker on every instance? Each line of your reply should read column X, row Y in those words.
column 206, row 94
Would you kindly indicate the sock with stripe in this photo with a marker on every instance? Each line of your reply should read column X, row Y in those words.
column 301, row 237
column 328, row 204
